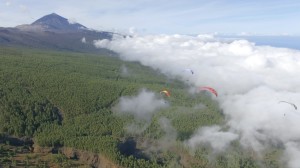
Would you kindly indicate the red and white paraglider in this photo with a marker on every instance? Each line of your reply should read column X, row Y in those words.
column 213, row 91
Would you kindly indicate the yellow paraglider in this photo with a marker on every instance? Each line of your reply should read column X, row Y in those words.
column 167, row 93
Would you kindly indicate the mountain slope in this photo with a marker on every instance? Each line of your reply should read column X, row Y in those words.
column 54, row 32
column 56, row 22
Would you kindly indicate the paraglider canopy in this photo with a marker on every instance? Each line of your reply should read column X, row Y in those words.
column 165, row 92
column 289, row 103
column 210, row 90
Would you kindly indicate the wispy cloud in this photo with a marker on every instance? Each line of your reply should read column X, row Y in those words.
column 83, row 40
column 185, row 17
column 24, row 9
column 8, row 2
column 213, row 136
column 142, row 106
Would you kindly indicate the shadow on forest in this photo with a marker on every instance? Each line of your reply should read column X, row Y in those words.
column 128, row 147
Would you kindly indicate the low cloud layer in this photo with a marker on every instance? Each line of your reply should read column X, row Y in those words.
column 292, row 154
column 250, row 80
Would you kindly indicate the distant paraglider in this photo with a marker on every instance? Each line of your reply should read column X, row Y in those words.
column 189, row 70
column 165, row 92
column 210, row 90
column 289, row 103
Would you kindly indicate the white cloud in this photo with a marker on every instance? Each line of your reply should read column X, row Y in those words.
column 124, row 71
column 213, row 136
column 249, row 79
column 72, row 21
column 142, row 106
column 8, row 2
column 24, row 9
column 83, row 40
column 292, row 154
column 132, row 30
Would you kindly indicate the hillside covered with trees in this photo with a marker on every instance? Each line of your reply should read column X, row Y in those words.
column 63, row 100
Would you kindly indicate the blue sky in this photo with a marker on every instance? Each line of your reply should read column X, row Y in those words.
column 271, row 17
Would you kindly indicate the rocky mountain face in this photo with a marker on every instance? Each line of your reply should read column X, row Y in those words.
column 54, row 32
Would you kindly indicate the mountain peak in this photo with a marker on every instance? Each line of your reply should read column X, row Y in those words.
column 56, row 22
column 54, row 14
